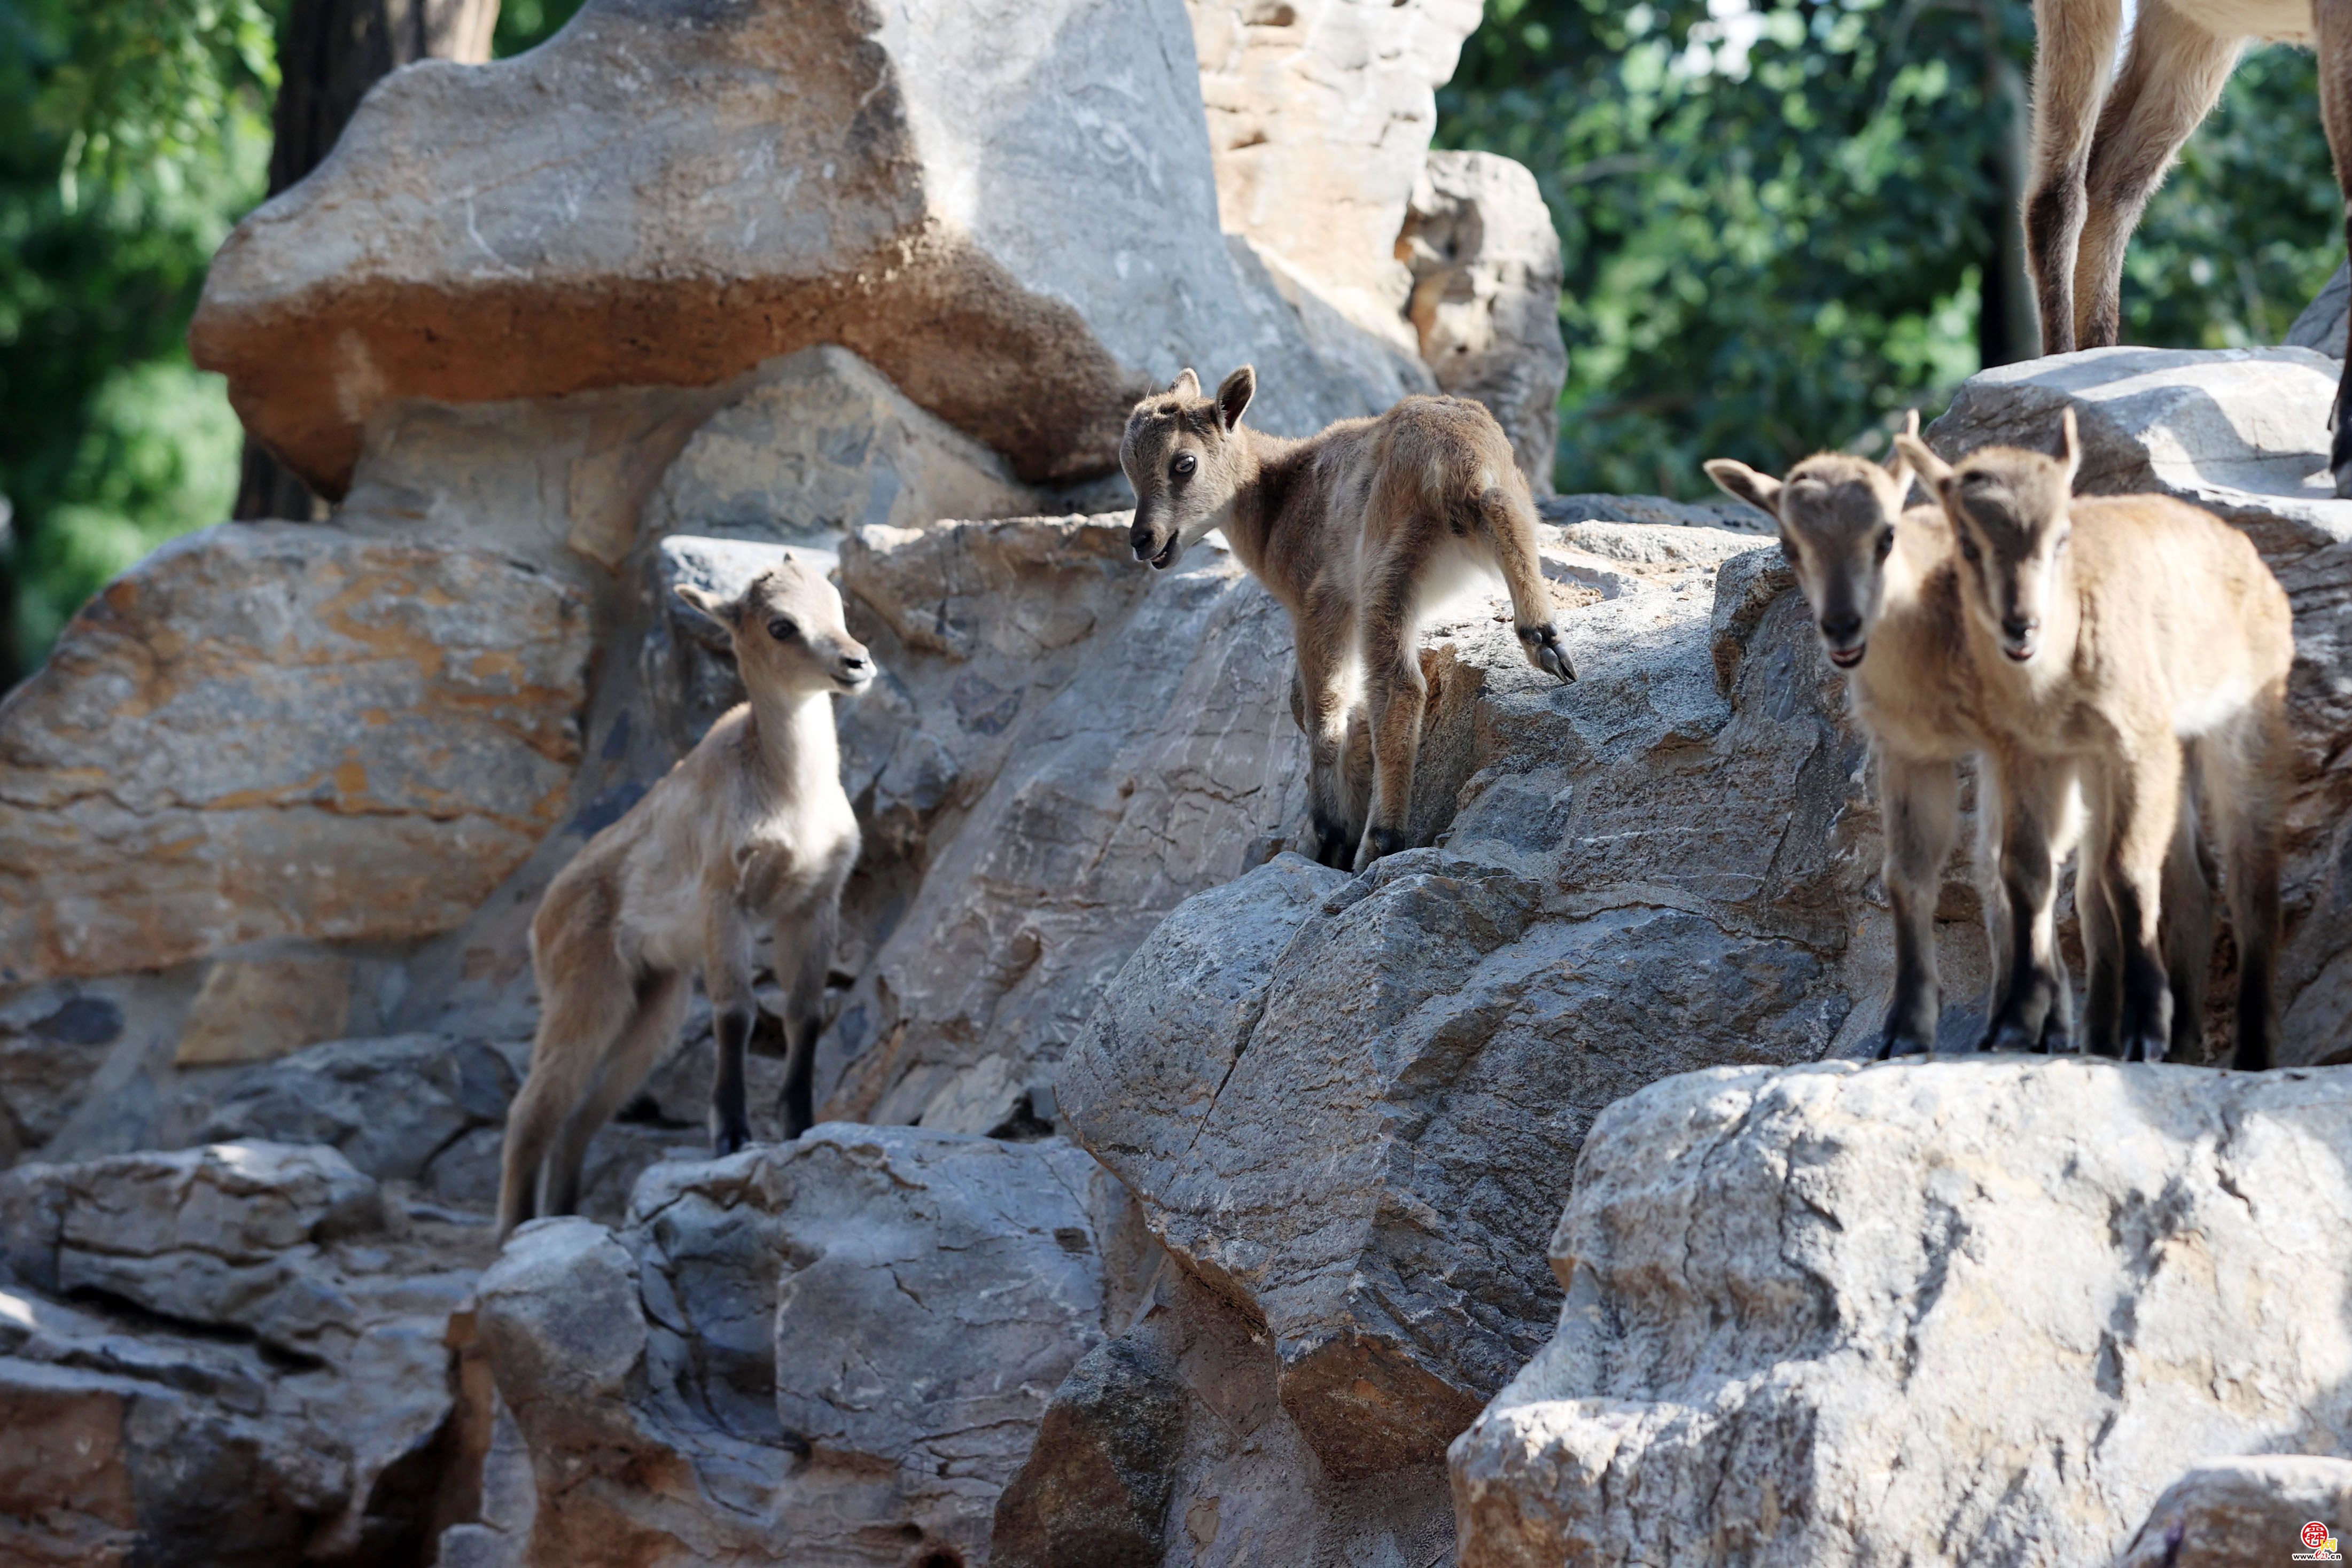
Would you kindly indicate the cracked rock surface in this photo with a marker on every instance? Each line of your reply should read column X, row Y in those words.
column 832, row 1352
column 1955, row 1313
column 231, row 1355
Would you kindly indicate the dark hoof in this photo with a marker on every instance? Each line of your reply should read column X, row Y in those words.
column 1378, row 841
column 730, row 1141
column 2251, row 1061
column 1545, row 653
column 2146, row 1048
column 1893, row 1045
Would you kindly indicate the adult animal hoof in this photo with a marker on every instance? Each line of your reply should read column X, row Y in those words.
column 1378, row 841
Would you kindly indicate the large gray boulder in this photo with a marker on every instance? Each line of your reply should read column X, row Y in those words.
column 226, row 1355
column 2242, row 433
column 2242, row 1514
column 1942, row 1314
column 1484, row 307
column 836, row 1351
column 1320, row 112
column 1348, row 1106
column 1011, row 211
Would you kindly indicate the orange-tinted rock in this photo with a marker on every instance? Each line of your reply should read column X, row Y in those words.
column 283, row 730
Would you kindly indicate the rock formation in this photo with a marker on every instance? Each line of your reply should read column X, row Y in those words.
column 1959, row 1313
column 1183, row 1201
column 2238, row 1512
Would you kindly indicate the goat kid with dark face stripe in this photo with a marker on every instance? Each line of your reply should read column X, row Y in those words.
column 2111, row 634
column 1358, row 531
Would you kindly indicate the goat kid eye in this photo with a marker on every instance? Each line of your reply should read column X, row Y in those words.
column 1886, row 544
column 1968, row 551
column 1184, row 466
column 781, row 630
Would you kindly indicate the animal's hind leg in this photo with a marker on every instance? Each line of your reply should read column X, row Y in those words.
column 2188, row 921
column 580, row 1014
column 2136, row 816
column 2244, row 769
column 804, row 955
column 1510, row 525
column 2074, row 40
column 2333, row 23
column 2174, row 71
column 1396, row 696
column 659, row 1007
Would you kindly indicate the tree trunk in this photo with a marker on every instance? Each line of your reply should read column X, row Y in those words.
column 2007, row 326
column 336, row 50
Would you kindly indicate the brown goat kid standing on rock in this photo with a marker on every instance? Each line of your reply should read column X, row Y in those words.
column 2103, row 136
column 751, row 829
column 1357, row 530
column 2108, row 633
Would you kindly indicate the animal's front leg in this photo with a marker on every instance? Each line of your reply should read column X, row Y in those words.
column 1317, row 704
column 2136, row 825
column 804, row 956
column 2033, row 796
column 1921, row 805
column 726, row 976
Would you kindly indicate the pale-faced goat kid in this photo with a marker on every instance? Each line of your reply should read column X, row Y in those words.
column 1356, row 530
column 1884, row 586
column 2102, row 140
column 751, row 829
column 2108, row 633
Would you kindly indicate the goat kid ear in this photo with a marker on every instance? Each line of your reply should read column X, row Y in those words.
column 1186, row 383
column 723, row 611
column 1234, row 394
column 1898, row 467
column 1932, row 469
column 2070, row 445
column 1742, row 483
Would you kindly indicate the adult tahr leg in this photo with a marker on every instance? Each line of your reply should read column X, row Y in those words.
column 2332, row 22
column 1510, row 528
column 581, row 1013
column 1395, row 695
column 2035, row 800
column 1920, row 803
column 727, row 977
column 658, row 1007
column 2140, row 814
column 2075, row 44
column 2187, row 926
column 2246, row 813
column 2172, row 73
column 1320, row 636
column 804, row 956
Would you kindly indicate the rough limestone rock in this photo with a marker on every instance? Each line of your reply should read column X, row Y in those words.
column 1190, row 1386
column 2246, row 1513
column 283, row 729
column 823, row 442
column 1944, row 1314
column 2243, row 432
column 225, row 1355
column 835, row 1351
column 1349, row 1107
column 1095, row 1490
column 2321, row 325
column 1064, row 747
column 1320, row 112
column 1008, row 211
column 1485, row 295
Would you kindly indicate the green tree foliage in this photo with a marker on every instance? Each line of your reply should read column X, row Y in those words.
column 132, row 133
column 1778, row 222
